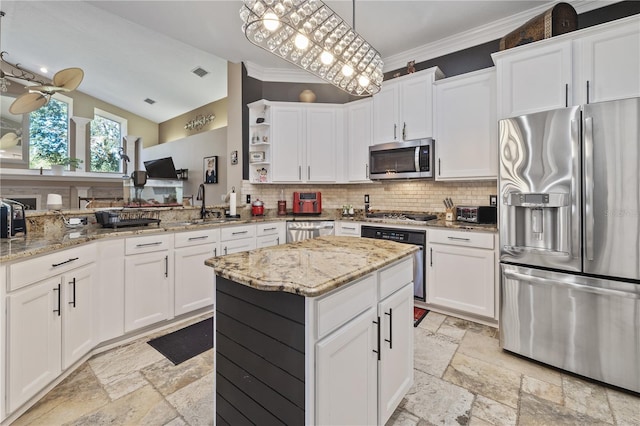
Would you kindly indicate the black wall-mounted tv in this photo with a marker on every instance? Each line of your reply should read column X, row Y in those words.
column 162, row 168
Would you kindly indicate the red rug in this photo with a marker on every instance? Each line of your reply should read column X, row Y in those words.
column 418, row 315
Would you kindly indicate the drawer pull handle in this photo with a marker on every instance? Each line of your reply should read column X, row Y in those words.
column 58, row 290
column 73, row 302
column 157, row 243
column 166, row 266
column 203, row 237
column 459, row 239
column 239, row 232
column 270, row 229
column 351, row 228
column 66, row 261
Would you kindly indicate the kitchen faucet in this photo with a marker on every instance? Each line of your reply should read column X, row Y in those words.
column 200, row 196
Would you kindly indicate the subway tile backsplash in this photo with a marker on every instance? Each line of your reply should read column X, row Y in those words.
column 409, row 195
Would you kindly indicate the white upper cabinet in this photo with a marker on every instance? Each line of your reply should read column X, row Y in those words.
column 359, row 116
column 608, row 63
column 534, row 78
column 402, row 110
column 305, row 141
column 466, row 126
column 599, row 63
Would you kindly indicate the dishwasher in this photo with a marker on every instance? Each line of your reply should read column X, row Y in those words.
column 298, row 230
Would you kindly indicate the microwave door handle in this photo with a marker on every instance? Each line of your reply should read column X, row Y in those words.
column 416, row 158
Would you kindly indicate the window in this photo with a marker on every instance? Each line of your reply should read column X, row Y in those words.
column 107, row 131
column 49, row 132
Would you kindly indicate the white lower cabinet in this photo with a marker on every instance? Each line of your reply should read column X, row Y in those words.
column 235, row 239
column 364, row 358
column 193, row 280
column 462, row 271
column 148, row 283
column 270, row 234
column 50, row 326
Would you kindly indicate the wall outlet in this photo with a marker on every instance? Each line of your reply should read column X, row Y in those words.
column 493, row 200
column 248, row 198
column 366, row 198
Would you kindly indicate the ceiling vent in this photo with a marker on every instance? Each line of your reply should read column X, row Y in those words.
column 150, row 101
column 199, row 71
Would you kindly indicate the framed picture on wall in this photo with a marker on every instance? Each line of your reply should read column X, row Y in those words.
column 210, row 168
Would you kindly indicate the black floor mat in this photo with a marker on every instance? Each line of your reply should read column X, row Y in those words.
column 185, row 343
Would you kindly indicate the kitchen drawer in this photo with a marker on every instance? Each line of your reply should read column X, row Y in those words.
column 195, row 238
column 148, row 243
column 461, row 238
column 395, row 277
column 36, row 269
column 338, row 308
column 228, row 233
column 348, row 228
column 269, row 228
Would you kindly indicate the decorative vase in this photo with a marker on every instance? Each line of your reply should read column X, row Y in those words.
column 307, row 96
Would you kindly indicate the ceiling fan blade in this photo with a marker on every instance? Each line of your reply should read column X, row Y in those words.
column 68, row 79
column 28, row 102
column 47, row 89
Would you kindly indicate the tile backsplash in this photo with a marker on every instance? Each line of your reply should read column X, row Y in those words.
column 406, row 195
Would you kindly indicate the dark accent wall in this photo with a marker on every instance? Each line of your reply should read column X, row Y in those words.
column 260, row 356
column 456, row 63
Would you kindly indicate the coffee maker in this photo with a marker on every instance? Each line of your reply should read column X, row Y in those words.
column 12, row 219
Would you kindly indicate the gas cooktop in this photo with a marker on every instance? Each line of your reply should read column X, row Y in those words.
column 402, row 216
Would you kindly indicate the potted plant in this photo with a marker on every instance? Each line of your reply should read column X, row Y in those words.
column 60, row 161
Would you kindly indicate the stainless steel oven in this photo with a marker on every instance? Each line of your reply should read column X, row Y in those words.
column 406, row 236
column 402, row 160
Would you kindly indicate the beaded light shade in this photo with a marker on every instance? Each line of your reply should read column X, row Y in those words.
column 311, row 35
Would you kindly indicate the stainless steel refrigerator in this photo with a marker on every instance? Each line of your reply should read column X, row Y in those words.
column 569, row 229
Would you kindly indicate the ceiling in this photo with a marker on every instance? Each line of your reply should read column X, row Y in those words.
column 133, row 50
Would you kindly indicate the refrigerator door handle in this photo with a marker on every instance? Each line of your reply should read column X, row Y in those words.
column 530, row 279
column 588, row 181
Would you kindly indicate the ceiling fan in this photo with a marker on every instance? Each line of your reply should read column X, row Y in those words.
column 65, row 80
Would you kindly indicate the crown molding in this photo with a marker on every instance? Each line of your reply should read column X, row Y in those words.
column 478, row 35
column 457, row 42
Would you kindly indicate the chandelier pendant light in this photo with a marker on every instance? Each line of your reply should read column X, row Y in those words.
column 311, row 35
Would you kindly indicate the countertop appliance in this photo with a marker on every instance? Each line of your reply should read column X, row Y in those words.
column 406, row 236
column 569, row 229
column 402, row 160
column 299, row 230
column 307, row 203
column 13, row 222
column 476, row 214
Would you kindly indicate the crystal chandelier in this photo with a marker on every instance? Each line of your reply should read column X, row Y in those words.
column 311, row 35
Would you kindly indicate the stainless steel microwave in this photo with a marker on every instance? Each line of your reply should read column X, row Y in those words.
column 402, row 160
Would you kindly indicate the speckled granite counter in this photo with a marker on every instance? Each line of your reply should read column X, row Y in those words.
column 310, row 267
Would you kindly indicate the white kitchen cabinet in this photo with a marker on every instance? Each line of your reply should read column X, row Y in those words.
column 462, row 271
column 49, row 326
column 364, row 358
column 466, row 126
column 305, row 140
column 270, row 234
column 534, row 78
column 234, row 239
column 347, row 228
column 148, row 280
column 193, row 280
column 346, row 388
column 359, row 136
column 109, row 300
column 395, row 375
column 607, row 62
column 403, row 109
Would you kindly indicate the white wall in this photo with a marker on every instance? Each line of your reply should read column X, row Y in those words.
column 189, row 153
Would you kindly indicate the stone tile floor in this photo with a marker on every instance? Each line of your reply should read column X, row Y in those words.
column 461, row 377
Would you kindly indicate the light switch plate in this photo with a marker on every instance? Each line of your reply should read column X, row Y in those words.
column 366, row 198
column 493, row 200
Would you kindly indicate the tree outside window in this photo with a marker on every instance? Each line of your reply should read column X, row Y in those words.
column 106, row 140
column 48, row 133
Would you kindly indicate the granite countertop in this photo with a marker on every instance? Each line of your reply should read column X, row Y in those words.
column 311, row 267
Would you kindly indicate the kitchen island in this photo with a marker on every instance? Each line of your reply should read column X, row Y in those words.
column 314, row 332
